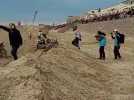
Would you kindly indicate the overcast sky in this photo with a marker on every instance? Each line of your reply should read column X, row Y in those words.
column 48, row 10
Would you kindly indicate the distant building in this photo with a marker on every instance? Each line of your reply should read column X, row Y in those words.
column 128, row 2
column 94, row 11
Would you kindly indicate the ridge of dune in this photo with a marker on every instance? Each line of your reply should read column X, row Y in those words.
column 60, row 74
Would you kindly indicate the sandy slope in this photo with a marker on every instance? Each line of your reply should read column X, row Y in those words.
column 66, row 73
column 60, row 74
column 122, row 82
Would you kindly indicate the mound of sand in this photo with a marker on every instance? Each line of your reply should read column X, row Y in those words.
column 59, row 74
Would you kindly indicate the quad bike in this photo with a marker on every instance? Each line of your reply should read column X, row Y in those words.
column 3, row 52
column 41, row 45
column 48, row 44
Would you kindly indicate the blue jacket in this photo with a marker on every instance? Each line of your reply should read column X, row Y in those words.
column 102, row 40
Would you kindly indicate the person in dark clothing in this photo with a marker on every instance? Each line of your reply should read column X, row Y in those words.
column 102, row 53
column 116, row 44
column 14, row 38
column 117, row 52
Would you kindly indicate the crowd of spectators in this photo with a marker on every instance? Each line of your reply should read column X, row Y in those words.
column 111, row 15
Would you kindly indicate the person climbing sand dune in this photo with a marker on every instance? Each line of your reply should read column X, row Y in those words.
column 77, row 39
column 15, row 38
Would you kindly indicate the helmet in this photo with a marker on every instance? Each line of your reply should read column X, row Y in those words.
column 115, row 30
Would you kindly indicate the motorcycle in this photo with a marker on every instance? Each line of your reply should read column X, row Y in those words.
column 3, row 52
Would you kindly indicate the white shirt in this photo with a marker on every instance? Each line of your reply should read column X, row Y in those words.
column 78, row 34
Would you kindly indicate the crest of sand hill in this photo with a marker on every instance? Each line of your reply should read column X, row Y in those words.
column 63, row 73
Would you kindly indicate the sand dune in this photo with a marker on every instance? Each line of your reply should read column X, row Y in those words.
column 66, row 73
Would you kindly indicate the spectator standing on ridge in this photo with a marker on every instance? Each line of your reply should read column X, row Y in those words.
column 101, row 37
column 118, row 39
column 14, row 38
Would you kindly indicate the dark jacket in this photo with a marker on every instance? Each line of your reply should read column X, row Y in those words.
column 14, row 36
